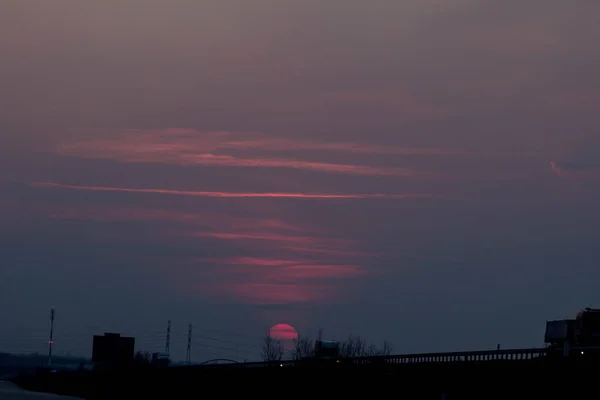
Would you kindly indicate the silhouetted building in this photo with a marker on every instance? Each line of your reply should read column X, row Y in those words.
column 113, row 350
column 161, row 359
column 327, row 348
column 587, row 327
column 559, row 332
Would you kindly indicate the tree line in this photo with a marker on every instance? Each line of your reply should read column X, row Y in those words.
column 304, row 347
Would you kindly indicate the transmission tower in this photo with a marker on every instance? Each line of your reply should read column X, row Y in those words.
column 168, row 343
column 188, row 356
column 51, row 341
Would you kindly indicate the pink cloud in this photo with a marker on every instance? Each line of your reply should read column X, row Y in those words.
column 255, row 261
column 191, row 219
column 286, row 262
column 283, row 144
column 270, row 279
column 558, row 170
column 327, row 252
column 287, row 269
column 228, row 194
column 122, row 214
column 230, row 161
column 580, row 170
column 190, row 147
column 274, row 238
column 275, row 293
column 320, row 271
column 273, row 232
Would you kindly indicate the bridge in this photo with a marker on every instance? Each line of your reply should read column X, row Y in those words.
column 431, row 358
column 468, row 374
column 219, row 361
column 465, row 356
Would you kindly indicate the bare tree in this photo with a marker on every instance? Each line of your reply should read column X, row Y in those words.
column 384, row 350
column 354, row 346
column 387, row 348
column 142, row 359
column 271, row 349
column 371, row 351
column 303, row 348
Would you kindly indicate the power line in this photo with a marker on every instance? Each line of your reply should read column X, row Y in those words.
column 227, row 341
column 222, row 348
column 79, row 340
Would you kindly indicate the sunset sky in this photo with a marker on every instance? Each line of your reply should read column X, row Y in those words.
column 421, row 171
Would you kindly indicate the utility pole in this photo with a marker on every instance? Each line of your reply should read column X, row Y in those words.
column 168, row 344
column 51, row 341
column 188, row 357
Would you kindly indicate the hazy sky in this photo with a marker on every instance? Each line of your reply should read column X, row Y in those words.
column 422, row 171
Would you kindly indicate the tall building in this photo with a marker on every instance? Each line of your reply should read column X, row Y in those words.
column 112, row 350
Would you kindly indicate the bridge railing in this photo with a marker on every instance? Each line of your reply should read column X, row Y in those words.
column 423, row 358
column 465, row 356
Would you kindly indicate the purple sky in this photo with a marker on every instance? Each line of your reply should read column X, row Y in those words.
column 427, row 174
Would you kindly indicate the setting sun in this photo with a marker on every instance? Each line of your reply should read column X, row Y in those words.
column 284, row 333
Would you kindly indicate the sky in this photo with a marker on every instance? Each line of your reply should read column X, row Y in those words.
column 420, row 171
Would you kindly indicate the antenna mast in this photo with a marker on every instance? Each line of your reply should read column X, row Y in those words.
column 168, row 344
column 188, row 357
column 51, row 341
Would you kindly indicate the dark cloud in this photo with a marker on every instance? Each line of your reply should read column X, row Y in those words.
column 580, row 160
column 566, row 168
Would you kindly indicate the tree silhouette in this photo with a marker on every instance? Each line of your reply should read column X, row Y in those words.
column 142, row 359
column 303, row 348
column 355, row 346
column 387, row 348
column 271, row 349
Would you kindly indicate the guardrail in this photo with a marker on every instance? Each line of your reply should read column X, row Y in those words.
column 465, row 356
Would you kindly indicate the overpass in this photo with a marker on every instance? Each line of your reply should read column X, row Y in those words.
column 430, row 358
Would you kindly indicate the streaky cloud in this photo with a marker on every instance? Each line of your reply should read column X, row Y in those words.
column 564, row 169
column 323, row 196
column 190, row 147
column 270, row 237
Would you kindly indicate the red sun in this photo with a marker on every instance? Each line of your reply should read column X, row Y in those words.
column 284, row 333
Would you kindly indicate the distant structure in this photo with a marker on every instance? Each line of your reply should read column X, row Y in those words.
column 168, row 342
column 161, row 360
column 188, row 356
column 327, row 349
column 51, row 340
column 112, row 350
column 582, row 331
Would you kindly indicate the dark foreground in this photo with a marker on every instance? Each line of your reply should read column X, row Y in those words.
column 503, row 379
column 10, row 391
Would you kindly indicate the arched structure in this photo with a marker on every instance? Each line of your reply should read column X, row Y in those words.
column 218, row 361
